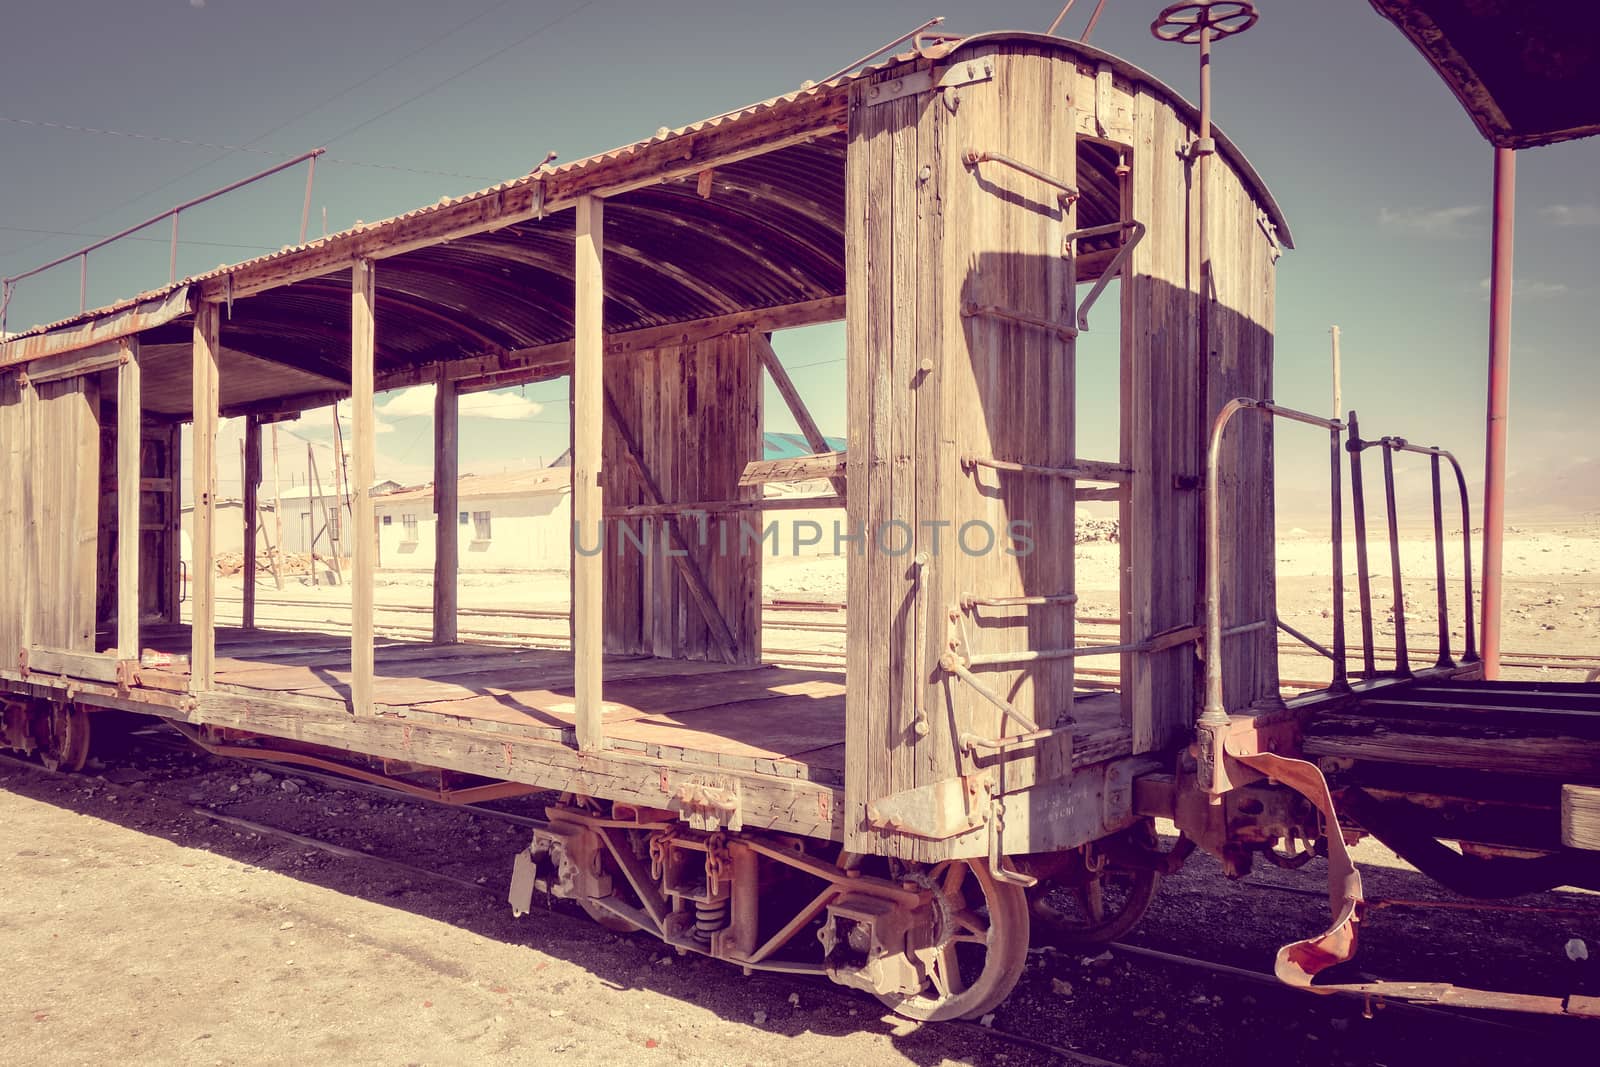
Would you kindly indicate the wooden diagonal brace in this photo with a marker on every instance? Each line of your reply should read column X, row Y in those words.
column 791, row 396
column 687, row 565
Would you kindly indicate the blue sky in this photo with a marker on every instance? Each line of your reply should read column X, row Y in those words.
column 1384, row 180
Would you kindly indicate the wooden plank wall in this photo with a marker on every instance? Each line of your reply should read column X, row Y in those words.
column 63, row 513
column 1241, row 365
column 1164, row 433
column 927, row 386
column 695, row 411
column 14, row 507
column 1160, row 428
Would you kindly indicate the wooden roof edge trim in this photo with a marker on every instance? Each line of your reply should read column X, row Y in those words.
column 124, row 320
column 1225, row 145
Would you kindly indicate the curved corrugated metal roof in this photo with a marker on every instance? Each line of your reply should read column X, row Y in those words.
column 771, row 233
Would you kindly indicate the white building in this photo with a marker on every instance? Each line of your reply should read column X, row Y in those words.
column 519, row 521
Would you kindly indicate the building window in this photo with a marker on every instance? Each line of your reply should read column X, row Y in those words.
column 465, row 518
column 388, row 520
column 408, row 531
column 480, row 525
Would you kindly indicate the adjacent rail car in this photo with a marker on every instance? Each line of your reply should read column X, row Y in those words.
column 895, row 825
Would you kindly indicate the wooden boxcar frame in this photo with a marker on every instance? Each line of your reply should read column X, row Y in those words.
column 950, row 205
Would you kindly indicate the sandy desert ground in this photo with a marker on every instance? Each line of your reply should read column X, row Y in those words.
column 138, row 927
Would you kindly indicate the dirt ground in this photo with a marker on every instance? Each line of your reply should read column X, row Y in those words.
column 137, row 929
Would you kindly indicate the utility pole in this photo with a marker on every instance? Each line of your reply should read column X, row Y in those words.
column 1338, row 400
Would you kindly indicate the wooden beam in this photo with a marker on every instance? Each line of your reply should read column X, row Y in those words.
column 828, row 465
column 106, row 355
column 588, row 420
column 723, row 507
column 791, row 396
column 1580, row 816
column 818, row 114
column 446, row 490
column 699, row 590
column 364, row 527
column 278, row 409
column 129, row 436
column 252, row 519
column 203, row 565
column 556, row 357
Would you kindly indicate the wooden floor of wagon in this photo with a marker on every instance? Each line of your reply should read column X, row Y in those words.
column 786, row 721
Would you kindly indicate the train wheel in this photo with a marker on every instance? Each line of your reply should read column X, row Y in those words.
column 1099, row 910
column 977, row 944
column 62, row 734
column 609, row 920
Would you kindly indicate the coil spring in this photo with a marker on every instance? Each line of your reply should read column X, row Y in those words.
column 709, row 918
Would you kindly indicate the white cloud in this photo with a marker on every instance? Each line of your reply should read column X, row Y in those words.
column 1439, row 222
column 418, row 400
column 409, row 402
column 1528, row 288
column 499, row 406
column 1572, row 214
column 378, row 426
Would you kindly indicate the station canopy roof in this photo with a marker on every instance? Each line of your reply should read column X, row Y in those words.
column 1527, row 71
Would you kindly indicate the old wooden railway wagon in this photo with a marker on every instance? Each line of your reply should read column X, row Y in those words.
column 962, row 208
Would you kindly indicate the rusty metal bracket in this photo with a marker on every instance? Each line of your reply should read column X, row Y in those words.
column 1113, row 269
column 1066, row 193
column 1299, row 962
column 938, row 811
column 709, row 802
column 1065, row 331
column 898, row 88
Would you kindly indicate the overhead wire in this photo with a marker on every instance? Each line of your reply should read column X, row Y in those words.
column 336, row 96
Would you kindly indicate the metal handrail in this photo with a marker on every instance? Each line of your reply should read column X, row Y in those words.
column 1400, row 444
column 1214, row 712
column 8, row 285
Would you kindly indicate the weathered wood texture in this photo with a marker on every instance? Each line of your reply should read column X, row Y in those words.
column 203, row 565
column 1580, row 816
column 364, row 532
column 15, row 505
column 588, row 417
column 1164, row 431
column 694, row 413
column 252, row 517
column 446, row 493
column 60, row 496
column 130, row 446
column 928, row 386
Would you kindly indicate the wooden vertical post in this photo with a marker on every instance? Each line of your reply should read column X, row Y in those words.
column 363, row 421
column 588, row 575
column 129, row 437
column 446, row 531
column 203, row 565
column 252, row 518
